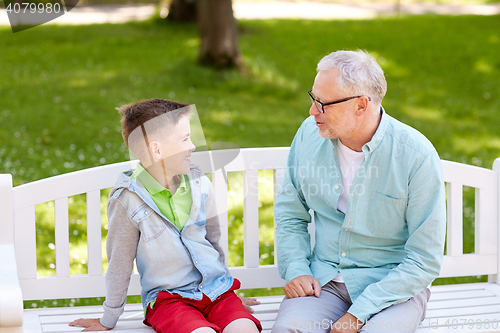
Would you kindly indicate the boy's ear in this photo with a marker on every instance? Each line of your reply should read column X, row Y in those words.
column 154, row 149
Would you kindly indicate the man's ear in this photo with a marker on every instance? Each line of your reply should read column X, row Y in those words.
column 155, row 149
column 362, row 105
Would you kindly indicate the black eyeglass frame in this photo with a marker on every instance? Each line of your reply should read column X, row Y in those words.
column 322, row 110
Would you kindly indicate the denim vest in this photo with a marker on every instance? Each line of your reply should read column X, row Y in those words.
column 183, row 262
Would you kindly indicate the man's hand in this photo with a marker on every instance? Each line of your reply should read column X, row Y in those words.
column 247, row 301
column 347, row 324
column 89, row 324
column 304, row 285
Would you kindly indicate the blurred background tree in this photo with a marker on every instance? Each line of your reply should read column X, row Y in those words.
column 219, row 34
column 183, row 11
column 218, row 30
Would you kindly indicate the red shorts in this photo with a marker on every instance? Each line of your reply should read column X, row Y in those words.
column 176, row 314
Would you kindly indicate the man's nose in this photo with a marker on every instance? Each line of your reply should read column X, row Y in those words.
column 313, row 110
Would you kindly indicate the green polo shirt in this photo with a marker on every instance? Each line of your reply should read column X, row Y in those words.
column 175, row 207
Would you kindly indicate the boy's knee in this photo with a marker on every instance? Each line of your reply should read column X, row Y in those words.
column 241, row 325
column 204, row 330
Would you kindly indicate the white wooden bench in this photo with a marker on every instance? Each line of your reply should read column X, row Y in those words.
column 450, row 305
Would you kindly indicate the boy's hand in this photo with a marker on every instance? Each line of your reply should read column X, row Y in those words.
column 247, row 302
column 89, row 324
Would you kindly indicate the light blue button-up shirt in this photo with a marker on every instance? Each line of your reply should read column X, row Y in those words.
column 389, row 244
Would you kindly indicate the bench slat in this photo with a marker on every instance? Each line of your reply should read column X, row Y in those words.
column 450, row 304
column 464, row 311
column 83, row 181
column 458, row 295
column 220, row 192
column 469, row 264
column 121, row 325
column 62, row 237
column 439, row 289
column 94, row 236
column 485, row 221
column 25, row 242
column 278, row 177
column 454, row 210
column 6, row 222
column 270, row 299
column 265, row 276
column 264, row 158
column 469, row 175
column 251, row 218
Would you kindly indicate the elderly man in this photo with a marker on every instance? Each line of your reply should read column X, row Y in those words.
column 376, row 191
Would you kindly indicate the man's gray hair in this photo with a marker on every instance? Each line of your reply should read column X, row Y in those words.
column 360, row 74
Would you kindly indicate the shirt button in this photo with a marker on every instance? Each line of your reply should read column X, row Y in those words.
column 201, row 286
column 196, row 262
column 345, row 229
column 343, row 254
column 337, row 187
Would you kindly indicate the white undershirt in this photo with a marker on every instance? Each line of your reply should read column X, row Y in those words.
column 349, row 161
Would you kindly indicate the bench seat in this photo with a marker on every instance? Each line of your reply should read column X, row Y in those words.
column 450, row 305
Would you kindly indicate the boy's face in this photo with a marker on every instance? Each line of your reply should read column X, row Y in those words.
column 175, row 149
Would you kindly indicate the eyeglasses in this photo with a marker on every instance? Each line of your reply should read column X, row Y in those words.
column 321, row 106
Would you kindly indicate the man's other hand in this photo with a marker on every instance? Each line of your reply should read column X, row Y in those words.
column 304, row 285
column 89, row 324
column 347, row 324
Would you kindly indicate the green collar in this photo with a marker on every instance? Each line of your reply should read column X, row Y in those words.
column 150, row 184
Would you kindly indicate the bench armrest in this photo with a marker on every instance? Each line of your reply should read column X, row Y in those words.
column 11, row 298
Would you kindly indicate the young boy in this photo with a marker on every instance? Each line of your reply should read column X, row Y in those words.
column 163, row 215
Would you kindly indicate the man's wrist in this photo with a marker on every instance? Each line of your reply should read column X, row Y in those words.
column 296, row 269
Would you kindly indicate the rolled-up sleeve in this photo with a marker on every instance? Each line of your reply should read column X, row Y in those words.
column 292, row 218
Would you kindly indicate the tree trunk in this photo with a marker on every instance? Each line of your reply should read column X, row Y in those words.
column 218, row 33
column 182, row 11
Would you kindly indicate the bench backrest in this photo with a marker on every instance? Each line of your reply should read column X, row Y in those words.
column 486, row 183
column 484, row 260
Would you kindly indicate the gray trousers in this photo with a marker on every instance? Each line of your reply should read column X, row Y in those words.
column 319, row 314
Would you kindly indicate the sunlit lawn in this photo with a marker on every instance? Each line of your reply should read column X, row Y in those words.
column 59, row 86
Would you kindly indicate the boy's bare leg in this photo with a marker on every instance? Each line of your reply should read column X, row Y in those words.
column 242, row 325
column 203, row 330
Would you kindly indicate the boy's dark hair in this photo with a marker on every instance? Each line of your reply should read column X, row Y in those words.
column 136, row 114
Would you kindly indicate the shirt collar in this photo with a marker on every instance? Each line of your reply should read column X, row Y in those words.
column 151, row 184
column 370, row 146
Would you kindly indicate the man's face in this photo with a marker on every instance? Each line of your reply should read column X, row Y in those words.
column 338, row 120
column 176, row 148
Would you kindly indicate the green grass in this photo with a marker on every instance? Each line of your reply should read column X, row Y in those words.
column 59, row 86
